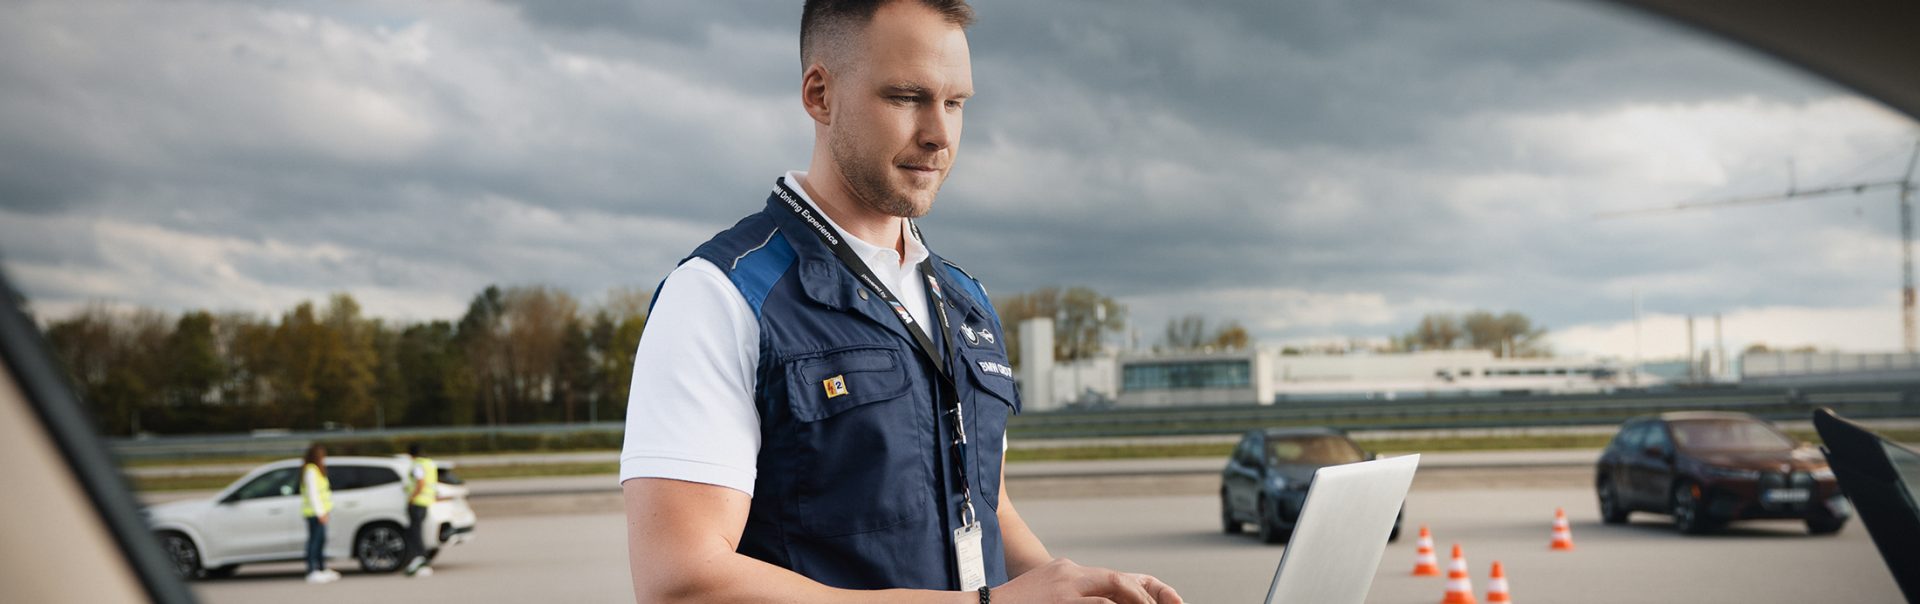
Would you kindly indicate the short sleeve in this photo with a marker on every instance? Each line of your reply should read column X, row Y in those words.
column 690, row 411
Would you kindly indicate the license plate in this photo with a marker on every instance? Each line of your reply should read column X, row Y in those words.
column 1784, row 496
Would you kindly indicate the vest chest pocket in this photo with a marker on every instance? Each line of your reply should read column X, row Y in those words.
column 861, row 451
column 994, row 402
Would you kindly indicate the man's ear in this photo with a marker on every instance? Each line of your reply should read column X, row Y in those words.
column 815, row 93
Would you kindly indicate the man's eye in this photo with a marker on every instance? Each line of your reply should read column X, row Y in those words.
column 903, row 99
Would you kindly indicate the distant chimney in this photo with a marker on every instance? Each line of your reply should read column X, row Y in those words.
column 1036, row 364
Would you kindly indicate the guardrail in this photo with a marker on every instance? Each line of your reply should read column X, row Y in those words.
column 1864, row 401
column 1880, row 401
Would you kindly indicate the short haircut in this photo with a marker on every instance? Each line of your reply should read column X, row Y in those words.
column 413, row 449
column 825, row 24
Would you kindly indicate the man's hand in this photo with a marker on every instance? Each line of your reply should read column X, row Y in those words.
column 1063, row 581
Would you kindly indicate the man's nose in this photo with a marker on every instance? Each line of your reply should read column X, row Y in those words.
column 938, row 128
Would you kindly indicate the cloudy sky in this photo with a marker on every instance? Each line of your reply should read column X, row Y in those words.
column 1316, row 170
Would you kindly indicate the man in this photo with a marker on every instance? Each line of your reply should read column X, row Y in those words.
column 819, row 403
column 422, row 478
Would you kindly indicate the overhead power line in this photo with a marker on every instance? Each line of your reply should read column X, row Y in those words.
column 1793, row 193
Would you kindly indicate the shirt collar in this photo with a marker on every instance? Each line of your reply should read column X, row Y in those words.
column 875, row 256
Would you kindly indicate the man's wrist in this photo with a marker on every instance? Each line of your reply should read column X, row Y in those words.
column 986, row 595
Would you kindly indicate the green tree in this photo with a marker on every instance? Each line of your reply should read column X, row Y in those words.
column 1231, row 336
column 476, row 383
column 426, row 358
column 192, row 361
column 346, row 371
column 1185, row 333
column 1191, row 332
column 1508, row 335
column 247, row 391
column 1436, row 331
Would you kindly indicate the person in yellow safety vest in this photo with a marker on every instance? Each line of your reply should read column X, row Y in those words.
column 422, row 477
column 316, row 504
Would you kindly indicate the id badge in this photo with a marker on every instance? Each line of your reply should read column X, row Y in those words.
column 967, row 554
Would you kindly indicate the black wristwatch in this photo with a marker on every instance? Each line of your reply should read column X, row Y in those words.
column 986, row 597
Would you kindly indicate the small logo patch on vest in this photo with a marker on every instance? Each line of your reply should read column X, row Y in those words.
column 836, row 385
column 905, row 317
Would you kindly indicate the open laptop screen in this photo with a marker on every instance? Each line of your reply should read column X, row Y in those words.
column 1907, row 464
column 1880, row 478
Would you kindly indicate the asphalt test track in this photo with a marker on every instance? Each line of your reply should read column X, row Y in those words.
column 581, row 557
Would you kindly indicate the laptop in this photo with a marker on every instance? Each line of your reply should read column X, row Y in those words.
column 1882, row 479
column 1342, row 531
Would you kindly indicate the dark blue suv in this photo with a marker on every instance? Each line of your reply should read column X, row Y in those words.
column 1267, row 476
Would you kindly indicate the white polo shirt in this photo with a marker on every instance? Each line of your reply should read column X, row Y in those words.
column 690, row 411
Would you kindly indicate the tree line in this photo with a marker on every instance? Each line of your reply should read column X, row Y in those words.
column 518, row 355
column 1509, row 334
column 1083, row 318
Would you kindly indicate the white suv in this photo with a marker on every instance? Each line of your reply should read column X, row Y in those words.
column 257, row 518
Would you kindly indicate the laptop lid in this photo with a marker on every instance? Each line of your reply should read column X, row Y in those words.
column 1342, row 531
column 1882, row 479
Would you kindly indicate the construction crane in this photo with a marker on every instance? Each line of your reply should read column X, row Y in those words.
column 1906, row 187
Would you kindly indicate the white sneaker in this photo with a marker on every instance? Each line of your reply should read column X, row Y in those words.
column 317, row 577
column 425, row 571
column 332, row 575
column 414, row 565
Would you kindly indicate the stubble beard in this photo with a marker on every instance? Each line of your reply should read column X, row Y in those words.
column 869, row 183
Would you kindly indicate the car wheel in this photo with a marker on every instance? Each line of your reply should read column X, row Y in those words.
column 1611, row 512
column 1270, row 530
column 1825, row 525
column 1688, row 516
column 185, row 557
column 379, row 548
column 1227, row 523
column 222, row 572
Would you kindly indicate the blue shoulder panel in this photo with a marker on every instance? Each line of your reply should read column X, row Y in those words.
column 755, row 272
column 974, row 289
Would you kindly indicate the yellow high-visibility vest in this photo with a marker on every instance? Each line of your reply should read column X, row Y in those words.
column 428, row 477
column 312, row 477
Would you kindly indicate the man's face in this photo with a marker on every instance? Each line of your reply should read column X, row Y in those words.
column 896, row 124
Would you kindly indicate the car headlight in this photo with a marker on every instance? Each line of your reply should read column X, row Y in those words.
column 1823, row 473
column 1733, row 473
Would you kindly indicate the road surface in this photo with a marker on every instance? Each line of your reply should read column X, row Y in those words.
column 576, row 552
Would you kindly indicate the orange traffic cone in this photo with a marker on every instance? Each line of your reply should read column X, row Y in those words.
column 1497, row 586
column 1562, row 533
column 1459, row 586
column 1424, row 563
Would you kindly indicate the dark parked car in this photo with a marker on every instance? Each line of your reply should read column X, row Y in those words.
column 1267, row 476
column 1706, row 469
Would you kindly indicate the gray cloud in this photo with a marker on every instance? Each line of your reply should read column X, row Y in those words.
column 1311, row 168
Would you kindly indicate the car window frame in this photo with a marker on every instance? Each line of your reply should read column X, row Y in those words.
column 239, row 493
column 1630, row 436
column 353, row 476
column 1665, row 438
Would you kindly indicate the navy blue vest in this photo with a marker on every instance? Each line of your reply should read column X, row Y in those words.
column 857, row 490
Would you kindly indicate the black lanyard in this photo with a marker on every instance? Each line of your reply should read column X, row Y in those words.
column 936, row 353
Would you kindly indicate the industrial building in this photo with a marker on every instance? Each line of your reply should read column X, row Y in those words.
column 1266, row 377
